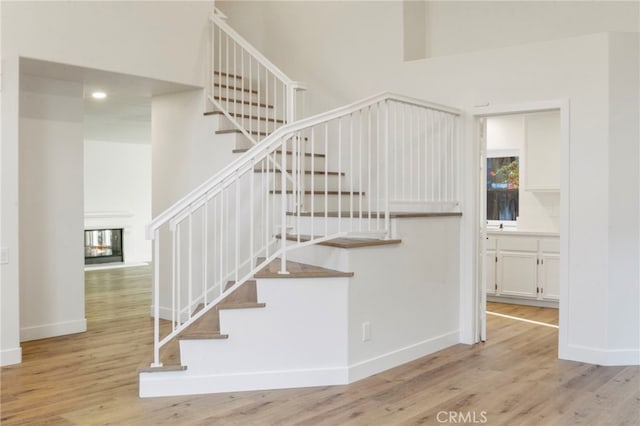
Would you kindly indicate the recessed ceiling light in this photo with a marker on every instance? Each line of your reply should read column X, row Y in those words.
column 98, row 95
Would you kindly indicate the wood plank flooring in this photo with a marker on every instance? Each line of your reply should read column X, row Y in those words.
column 512, row 379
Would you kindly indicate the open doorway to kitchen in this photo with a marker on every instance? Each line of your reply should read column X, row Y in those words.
column 521, row 225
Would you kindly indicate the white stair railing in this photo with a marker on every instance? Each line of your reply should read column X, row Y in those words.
column 383, row 154
column 253, row 93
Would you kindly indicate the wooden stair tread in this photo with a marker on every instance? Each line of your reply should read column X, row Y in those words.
column 224, row 74
column 320, row 192
column 226, row 86
column 298, row 270
column 345, row 242
column 307, row 154
column 306, row 172
column 374, row 215
column 164, row 368
column 239, row 305
column 246, row 102
column 249, row 116
column 202, row 336
column 253, row 132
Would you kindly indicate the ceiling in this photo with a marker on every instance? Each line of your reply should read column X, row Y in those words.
column 125, row 115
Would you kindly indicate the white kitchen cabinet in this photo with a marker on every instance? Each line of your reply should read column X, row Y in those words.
column 523, row 266
column 517, row 273
column 549, row 281
column 541, row 171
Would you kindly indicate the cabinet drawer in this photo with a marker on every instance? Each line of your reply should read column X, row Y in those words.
column 550, row 245
column 518, row 243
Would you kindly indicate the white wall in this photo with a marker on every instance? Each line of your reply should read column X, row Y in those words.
column 164, row 40
column 624, row 196
column 455, row 27
column 407, row 293
column 117, row 192
column 322, row 43
column 51, row 208
column 10, row 352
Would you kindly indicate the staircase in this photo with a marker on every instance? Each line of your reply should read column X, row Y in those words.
column 285, row 269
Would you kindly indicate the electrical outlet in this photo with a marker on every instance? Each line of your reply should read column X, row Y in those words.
column 4, row 255
column 366, row 331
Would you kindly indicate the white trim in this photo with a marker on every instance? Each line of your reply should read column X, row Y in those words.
column 10, row 356
column 183, row 383
column 599, row 356
column 401, row 356
column 518, row 108
column 52, row 330
column 564, row 106
column 101, row 266
column 551, row 304
column 107, row 214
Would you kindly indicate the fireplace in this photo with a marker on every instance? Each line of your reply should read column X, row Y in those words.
column 103, row 246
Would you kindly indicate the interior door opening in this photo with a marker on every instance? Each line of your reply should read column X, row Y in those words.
column 520, row 215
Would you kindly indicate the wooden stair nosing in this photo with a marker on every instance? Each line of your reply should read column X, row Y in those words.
column 345, row 242
column 306, row 172
column 253, row 132
column 307, row 154
column 245, row 305
column 249, row 116
column 298, row 270
column 164, row 368
column 374, row 215
column 203, row 336
column 225, row 86
column 224, row 74
column 308, row 192
column 250, row 103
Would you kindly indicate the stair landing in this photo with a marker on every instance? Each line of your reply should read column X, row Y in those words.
column 344, row 242
column 298, row 270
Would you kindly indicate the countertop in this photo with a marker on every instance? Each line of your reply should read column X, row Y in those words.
column 494, row 231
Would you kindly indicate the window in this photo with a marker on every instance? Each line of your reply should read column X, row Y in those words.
column 503, row 182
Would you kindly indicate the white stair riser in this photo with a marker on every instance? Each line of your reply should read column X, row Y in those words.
column 320, row 225
column 249, row 124
column 236, row 93
column 334, row 202
column 323, row 256
column 318, row 162
column 295, row 311
column 261, row 111
column 317, row 182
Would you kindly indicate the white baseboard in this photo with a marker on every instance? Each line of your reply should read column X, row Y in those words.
column 527, row 302
column 187, row 382
column 401, row 356
column 182, row 383
column 598, row 356
column 52, row 330
column 10, row 356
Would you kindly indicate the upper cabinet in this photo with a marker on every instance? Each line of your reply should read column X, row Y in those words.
column 541, row 172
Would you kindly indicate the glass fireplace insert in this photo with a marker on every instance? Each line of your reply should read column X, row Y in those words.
column 103, row 246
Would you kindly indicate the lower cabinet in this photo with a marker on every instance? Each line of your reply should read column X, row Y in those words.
column 523, row 266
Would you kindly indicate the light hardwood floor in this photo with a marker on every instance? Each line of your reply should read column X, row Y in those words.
column 512, row 379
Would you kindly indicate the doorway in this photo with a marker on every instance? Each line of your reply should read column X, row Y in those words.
column 523, row 209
